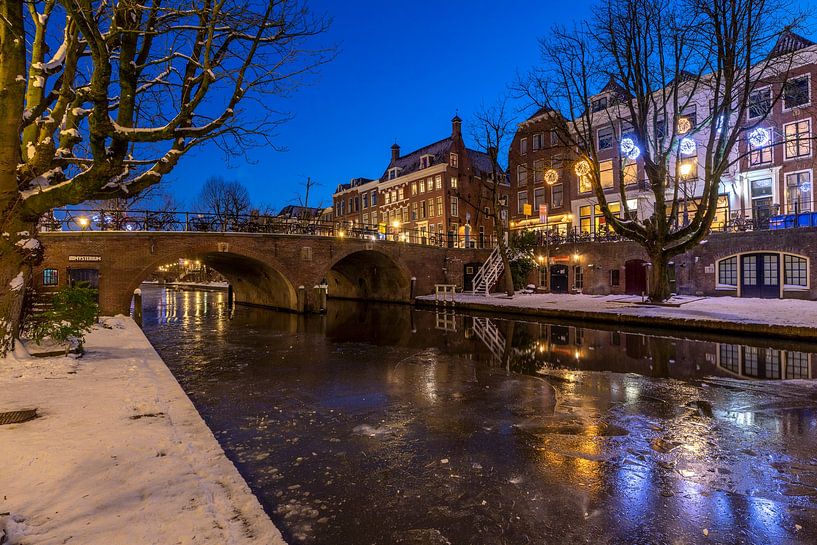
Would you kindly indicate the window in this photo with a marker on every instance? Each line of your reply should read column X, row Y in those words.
column 728, row 271
column 431, row 211
column 761, row 188
column 796, row 93
column 688, row 169
column 557, row 196
column 538, row 141
column 50, row 277
column 798, row 192
column 660, row 128
column 404, row 214
column 522, row 201
column 554, row 138
column 365, row 219
column 797, row 365
column 414, row 210
column 422, row 186
column 798, row 139
column 365, row 200
column 750, row 270
column 440, row 210
column 400, row 193
column 453, row 182
column 455, row 160
column 423, row 210
column 604, row 137
column 455, row 207
column 629, row 172
column 425, row 161
column 521, row 175
column 538, row 171
column 599, row 104
column 578, row 277
column 760, row 156
column 615, row 277
column 523, row 146
column 760, row 102
column 556, row 161
column 606, row 174
column 795, row 271
column 413, row 188
column 585, row 219
column 357, row 204
column 585, row 185
column 374, row 198
column 729, row 357
column 538, row 198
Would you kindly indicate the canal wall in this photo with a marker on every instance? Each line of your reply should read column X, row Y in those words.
column 119, row 453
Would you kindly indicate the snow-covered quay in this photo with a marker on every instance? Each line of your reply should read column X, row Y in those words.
column 119, row 455
column 788, row 318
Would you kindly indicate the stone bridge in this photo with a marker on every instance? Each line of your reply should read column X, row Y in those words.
column 271, row 270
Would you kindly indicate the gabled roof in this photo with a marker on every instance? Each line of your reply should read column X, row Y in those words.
column 788, row 42
column 411, row 162
column 295, row 211
column 481, row 162
column 615, row 89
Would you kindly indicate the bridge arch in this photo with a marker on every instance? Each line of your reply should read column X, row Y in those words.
column 256, row 280
column 371, row 275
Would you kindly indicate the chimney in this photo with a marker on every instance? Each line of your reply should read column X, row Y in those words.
column 456, row 126
column 395, row 153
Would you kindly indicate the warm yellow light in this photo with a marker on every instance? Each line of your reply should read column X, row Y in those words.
column 404, row 237
column 513, row 224
column 568, row 217
column 341, row 233
column 582, row 168
column 685, row 169
column 186, row 262
column 396, row 224
column 540, row 258
column 83, row 221
column 576, row 256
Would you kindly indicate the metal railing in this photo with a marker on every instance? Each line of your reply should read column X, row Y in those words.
column 79, row 220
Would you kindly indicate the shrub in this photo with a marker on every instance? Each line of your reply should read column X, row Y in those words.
column 520, row 270
column 73, row 313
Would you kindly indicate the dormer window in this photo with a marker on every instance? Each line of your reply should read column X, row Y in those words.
column 394, row 172
column 599, row 104
column 454, row 160
column 425, row 161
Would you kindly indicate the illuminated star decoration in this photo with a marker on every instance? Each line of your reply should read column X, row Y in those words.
column 629, row 149
column 582, row 168
column 684, row 125
column 551, row 176
column 687, row 146
column 759, row 137
column 805, row 187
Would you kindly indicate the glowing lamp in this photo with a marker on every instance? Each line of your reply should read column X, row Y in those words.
column 684, row 125
column 83, row 221
column 687, row 146
column 629, row 149
column 582, row 168
column 341, row 234
column 551, row 176
column 685, row 169
column 759, row 137
column 396, row 224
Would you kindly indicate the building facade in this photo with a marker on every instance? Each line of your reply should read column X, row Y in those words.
column 438, row 194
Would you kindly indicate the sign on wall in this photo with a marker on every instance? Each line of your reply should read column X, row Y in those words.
column 84, row 258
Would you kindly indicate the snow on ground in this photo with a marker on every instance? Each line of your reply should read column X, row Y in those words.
column 774, row 312
column 119, row 454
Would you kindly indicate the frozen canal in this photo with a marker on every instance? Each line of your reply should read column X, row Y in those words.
column 385, row 425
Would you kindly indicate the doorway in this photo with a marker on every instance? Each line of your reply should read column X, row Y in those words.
column 558, row 279
column 760, row 275
column 635, row 277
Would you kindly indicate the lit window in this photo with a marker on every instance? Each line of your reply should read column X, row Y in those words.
column 578, row 277
column 798, row 139
column 796, row 93
column 422, row 186
column 629, row 172
column 798, row 192
column 453, row 182
column 50, row 277
column 400, row 194
column 606, row 174
column 439, row 180
column 455, row 160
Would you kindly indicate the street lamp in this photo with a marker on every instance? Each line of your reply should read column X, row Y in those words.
column 83, row 222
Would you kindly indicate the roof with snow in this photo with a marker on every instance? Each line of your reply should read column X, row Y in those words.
column 439, row 152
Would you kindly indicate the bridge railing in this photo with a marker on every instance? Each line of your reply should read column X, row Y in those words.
column 79, row 220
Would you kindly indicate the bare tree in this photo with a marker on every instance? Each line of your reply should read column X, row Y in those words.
column 100, row 99
column 493, row 126
column 673, row 78
column 226, row 200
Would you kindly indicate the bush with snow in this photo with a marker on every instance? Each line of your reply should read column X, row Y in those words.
column 73, row 313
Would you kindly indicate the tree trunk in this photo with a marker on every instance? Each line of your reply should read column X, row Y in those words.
column 12, row 93
column 659, row 288
column 506, row 263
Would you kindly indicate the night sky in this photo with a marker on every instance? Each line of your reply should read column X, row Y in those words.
column 402, row 71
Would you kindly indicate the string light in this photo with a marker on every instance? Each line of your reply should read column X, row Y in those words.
column 551, row 176
column 687, row 146
column 759, row 137
column 629, row 149
column 683, row 125
column 582, row 168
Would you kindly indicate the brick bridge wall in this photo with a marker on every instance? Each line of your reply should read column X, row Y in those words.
column 695, row 270
column 263, row 269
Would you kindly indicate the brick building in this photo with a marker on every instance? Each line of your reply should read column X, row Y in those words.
column 437, row 194
column 768, row 187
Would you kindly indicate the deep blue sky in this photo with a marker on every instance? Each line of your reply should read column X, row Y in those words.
column 402, row 70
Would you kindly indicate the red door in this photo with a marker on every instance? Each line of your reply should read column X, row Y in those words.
column 635, row 277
